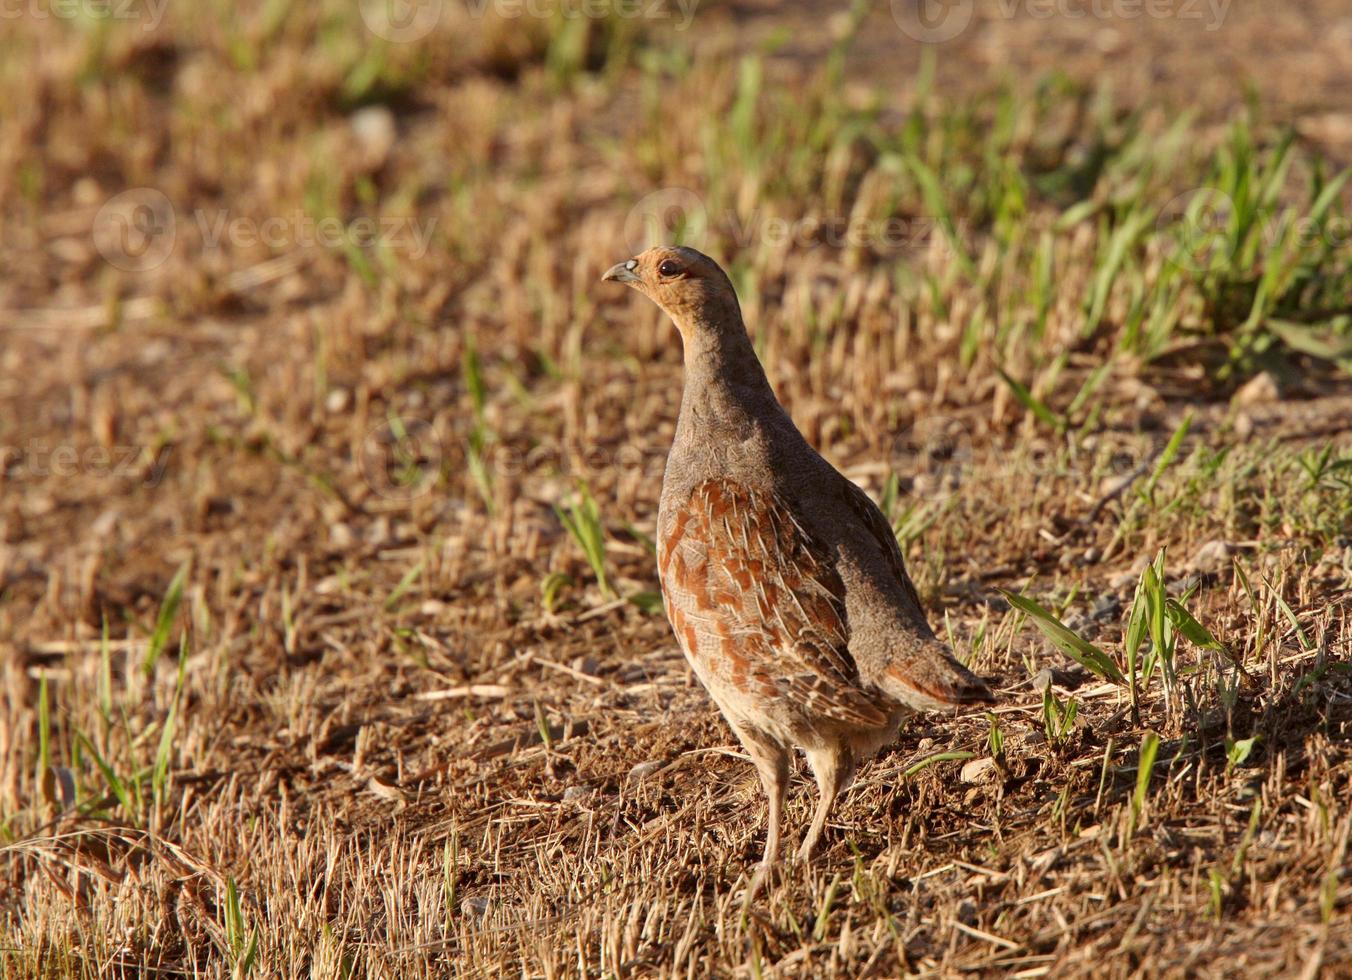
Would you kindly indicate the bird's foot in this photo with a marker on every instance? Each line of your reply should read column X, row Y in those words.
column 758, row 880
column 804, row 853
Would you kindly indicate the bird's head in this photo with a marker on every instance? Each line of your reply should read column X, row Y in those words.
column 687, row 284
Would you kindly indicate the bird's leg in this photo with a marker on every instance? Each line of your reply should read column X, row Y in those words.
column 772, row 763
column 834, row 768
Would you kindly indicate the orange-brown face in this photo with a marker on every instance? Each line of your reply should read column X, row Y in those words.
column 687, row 284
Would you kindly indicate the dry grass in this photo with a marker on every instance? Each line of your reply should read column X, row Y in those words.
column 393, row 725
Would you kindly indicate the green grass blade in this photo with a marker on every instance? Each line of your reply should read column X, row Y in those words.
column 929, row 760
column 165, row 621
column 160, row 773
column 1149, row 748
column 1171, row 449
column 404, row 584
column 1074, row 646
column 1032, row 402
column 1191, row 629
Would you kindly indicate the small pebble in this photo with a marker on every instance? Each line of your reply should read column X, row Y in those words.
column 645, row 769
column 341, row 536
column 1213, row 556
column 1260, row 390
column 1107, row 607
column 375, row 130
column 977, row 770
column 337, row 401
column 475, row 907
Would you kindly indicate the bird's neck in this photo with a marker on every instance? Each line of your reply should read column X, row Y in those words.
column 725, row 385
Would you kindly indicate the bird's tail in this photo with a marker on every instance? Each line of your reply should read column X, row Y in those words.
column 930, row 679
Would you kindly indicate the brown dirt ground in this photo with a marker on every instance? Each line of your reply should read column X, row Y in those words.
column 407, row 762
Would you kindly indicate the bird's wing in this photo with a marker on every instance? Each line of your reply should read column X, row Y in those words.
column 759, row 604
column 873, row 520
column 925, row 674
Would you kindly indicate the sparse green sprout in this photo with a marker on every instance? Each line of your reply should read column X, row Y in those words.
column 474, row 380
column 995, row 738
column 648, row 601
column 1150, row 745
column 1167, row 456
column 159, row 779
column 242, row 944
column 551, row 587
column 1131, row 648
column 450, row 871
column 582, row 519
column 1058, row 719
column 1216, row 886
column 105, row 675
column 1066, row 640
column 1038, row 408
column 1237, row 751
column 929, row 760
column 126, row 792
column 164, row 622
column 824, row 909
column 480, row 436
column 476, row 461
column 405, row 583
column 1328, row 892
column 542, row 727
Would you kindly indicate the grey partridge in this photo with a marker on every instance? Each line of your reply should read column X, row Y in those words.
column 783, row 582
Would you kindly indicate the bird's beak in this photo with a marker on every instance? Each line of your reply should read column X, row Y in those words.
column 623, row 272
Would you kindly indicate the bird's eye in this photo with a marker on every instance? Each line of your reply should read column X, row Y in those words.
column 669, row 268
